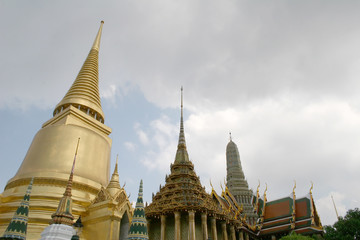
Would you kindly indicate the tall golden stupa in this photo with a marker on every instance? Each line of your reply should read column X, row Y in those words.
column 49, row 160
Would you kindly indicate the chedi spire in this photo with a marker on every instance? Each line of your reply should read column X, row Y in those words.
column 138, row 228
column 84, row 92
column 18, row 224
column 63, row 214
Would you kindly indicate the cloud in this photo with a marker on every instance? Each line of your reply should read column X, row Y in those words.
column 130, row 146
column 162, row 145
column 141, row 134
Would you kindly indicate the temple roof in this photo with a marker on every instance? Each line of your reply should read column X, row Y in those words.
column 183, row 190
column 290, row 214
column 84, row 92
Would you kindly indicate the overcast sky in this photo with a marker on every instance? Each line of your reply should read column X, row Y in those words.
column 282, row 76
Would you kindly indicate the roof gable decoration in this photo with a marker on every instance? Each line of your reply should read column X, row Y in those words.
column 256, row 204
column 293, row 217
column 315, row 219
column 261, row 222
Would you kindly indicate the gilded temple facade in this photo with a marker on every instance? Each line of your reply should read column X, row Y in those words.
column 101, row 203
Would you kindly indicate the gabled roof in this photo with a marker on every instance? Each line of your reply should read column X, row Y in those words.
column 290, row 214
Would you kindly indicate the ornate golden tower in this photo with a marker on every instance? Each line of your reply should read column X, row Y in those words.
column 49, row 158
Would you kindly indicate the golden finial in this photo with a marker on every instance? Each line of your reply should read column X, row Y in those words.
column 211, row 185
column 294, row 186
column 96, row 44
column 221, row 187
column 265, row 191
column 258, row 187
column 312, row 186
column 225, row 184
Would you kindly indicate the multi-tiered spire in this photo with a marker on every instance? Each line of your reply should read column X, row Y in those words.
column 63, row 214
column 138, row 228
column 84, row 93
column 181, row 153
column 236, row 181
column 18, row 224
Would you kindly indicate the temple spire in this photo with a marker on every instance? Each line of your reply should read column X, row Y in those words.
column 18, row 224
column 84, row 92
column 181, row 154
column 182, row 143
column 138, row 227
column 114, row 184
column 63, row 214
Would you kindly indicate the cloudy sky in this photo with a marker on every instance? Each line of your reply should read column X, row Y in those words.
column 282, row 76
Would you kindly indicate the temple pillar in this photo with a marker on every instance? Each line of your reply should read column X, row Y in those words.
column 232, row 233
column 247, row 236
column 204, row 226
column 241, row 235
column 213, row 228
column 224, row 232
column 192, row 225
column 163, row 227
column 177, row 226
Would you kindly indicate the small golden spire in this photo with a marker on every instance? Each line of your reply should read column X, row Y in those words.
column 311, row 188
column 114, row 185
column 63, row 214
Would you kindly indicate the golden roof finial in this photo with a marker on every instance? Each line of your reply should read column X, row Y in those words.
column 312, row 186
column 221, row 187
column 266, row 188
column 212, row 187
column 294, row 187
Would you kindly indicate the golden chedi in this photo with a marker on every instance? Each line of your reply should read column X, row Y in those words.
column 49, row 158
